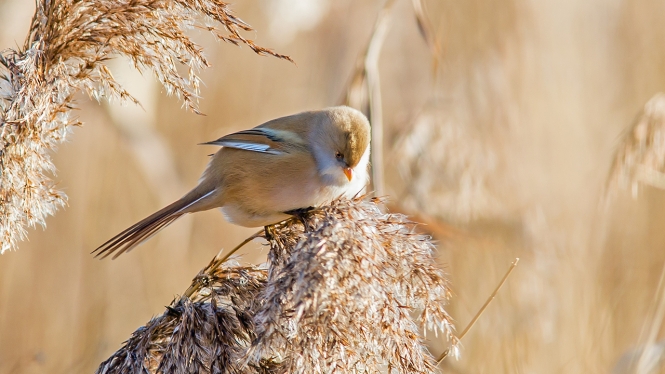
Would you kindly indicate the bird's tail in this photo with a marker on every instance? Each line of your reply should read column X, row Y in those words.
column 149, row 226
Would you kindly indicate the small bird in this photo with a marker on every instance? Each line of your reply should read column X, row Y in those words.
column 290, row 163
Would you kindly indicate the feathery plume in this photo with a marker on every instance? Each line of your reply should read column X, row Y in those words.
column 448, row 163
column 207, row 333
column 340, row 296
column 66, row 50
column 355, row 291
column 640, row 157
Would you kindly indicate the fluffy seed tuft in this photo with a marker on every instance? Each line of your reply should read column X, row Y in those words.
column 354, row 292
column 66, row 51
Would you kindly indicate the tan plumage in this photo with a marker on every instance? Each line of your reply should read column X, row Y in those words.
column 299, row 161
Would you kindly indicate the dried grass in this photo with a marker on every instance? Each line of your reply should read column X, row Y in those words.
column 640, row 156
column 209, row 330
column 66, row 50
column 450, row 160
column 363, row 91
column 354, row 292
column 514, row 154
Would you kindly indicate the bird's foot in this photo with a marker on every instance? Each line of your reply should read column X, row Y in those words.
column 301, row 214
column 269, row 232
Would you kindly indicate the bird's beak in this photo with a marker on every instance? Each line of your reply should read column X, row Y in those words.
column 349, row 173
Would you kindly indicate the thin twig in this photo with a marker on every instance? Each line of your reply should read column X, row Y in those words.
column 254, row 236
column 196, row 284
column 482, row 309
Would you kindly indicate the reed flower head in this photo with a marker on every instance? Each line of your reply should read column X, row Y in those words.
column 640, row 157
column 66, row 50
column 210, row 330
column 354, row 292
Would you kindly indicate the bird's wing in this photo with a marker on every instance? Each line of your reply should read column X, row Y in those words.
column 263, row 140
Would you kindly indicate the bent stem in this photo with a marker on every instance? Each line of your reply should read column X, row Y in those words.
column 202, row 278
column 199, row 281
column 482, row 309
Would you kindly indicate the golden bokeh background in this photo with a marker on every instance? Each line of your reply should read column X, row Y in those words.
column 502, row 141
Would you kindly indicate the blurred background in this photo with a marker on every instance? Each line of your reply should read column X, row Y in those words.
column 500, row 130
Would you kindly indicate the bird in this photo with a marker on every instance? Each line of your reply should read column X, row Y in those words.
column 261, row 175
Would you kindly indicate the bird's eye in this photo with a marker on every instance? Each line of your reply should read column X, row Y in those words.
column 339, row 156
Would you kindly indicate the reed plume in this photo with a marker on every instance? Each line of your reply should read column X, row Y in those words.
column 354, row 291
column 640, row 156
column 66, row 50
column 211, row 329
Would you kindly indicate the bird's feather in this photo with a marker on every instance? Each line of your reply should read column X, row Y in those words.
column 262, row 140
column 144, row 229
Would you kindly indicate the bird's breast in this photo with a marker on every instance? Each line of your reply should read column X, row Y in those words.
column 259, row 188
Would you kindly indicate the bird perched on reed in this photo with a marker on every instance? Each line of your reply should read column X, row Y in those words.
column 259, row 175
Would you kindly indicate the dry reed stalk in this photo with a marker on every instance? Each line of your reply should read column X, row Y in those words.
column 66, row 51
column 375, row 103
column 481, row 310
column 640, row 156
column 364, row 89
column 427, row 32
column 353, row 292
column 364, row 92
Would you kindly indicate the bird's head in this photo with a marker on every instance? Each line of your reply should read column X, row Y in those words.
column 341, row 144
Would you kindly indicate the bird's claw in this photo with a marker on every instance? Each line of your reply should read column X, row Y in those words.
column 301, row 215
